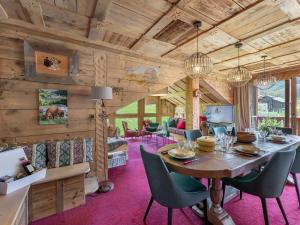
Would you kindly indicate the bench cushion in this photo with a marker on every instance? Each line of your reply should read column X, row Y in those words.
column 114, row 143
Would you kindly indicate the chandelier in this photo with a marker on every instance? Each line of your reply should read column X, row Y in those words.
column 239, row 76
column 198, row 64
column 265, row 80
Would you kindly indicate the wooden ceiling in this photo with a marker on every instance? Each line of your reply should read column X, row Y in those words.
column 177, row 94
column 163, row 28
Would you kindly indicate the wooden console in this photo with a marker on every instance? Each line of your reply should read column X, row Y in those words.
column 63, row 188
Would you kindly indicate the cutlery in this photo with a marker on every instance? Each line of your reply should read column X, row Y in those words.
column 190, row 161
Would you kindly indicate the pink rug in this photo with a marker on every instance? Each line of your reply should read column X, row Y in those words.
column 126, row 204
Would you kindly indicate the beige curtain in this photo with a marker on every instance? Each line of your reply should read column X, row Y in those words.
column 241, row 103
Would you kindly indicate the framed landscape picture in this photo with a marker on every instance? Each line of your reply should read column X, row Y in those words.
column 53, row 106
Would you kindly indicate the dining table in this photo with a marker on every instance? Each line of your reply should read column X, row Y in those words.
column 220, row 163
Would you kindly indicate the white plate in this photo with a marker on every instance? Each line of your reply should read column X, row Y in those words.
column 187, row 155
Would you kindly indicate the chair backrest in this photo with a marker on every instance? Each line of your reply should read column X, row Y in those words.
column 162, row 187
column 165, row 128
column 219, row 130
column 125, row 125
column 270, row 182
column 285, row 130
column 192, row 135
column 296, row 164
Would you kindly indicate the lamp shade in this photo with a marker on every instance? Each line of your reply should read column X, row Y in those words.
column 101, row 93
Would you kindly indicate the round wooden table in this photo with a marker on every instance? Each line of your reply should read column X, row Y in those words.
column 216, row 165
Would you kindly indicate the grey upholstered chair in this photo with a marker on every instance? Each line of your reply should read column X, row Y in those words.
column 192, row 135
column 296, row 169
column 265, row 184
column 170, row 189
column 219, row 130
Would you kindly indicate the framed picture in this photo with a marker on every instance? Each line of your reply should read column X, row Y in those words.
column 50, row 63
column 53, row 106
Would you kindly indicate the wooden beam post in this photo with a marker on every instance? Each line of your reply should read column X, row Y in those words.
column 294, row 104
column 101, row 155
column 192, row 106
column 287, row 104
column 159, row 111
column 141, row 113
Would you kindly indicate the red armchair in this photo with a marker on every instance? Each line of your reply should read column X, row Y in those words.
column 128, row 132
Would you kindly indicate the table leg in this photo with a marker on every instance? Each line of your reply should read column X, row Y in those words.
column 217, row 215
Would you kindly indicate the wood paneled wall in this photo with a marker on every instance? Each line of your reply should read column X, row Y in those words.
column 19, row 98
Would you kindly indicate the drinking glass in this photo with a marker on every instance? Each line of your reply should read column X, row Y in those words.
column 263, row 134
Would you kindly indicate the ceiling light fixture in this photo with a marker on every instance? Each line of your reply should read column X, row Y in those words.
column 198, row 64
column 264, row 80
column 239, row 76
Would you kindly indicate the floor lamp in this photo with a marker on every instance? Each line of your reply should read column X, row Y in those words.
column 101, row 94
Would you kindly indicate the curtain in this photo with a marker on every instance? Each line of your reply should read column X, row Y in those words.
column 241, row 103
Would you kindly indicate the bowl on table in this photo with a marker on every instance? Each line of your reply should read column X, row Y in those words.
column 245, row 137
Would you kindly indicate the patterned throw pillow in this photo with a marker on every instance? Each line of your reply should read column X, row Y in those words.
column 88, row 149
column 78, row 151
column 37, row 154
column 52, row 154
column 65, row 153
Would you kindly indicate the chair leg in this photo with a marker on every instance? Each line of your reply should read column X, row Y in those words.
column 241, row 195
column 296, row 186
column 205, row 211
column 208, row 183
column 148, row 208
column 265, row 210
column 282, row 210
column 169, row 216
column 223, row 188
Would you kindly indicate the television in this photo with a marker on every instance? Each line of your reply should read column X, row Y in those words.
column 219, row 113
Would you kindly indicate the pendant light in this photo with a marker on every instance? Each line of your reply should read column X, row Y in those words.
column 239, row 76
column 265, row 80
column 198, row 64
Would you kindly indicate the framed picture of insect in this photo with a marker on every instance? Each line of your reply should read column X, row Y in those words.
column 50, row 63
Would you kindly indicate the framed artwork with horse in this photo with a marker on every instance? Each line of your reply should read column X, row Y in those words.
column 53, row 106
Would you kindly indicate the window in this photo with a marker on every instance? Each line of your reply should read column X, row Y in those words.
column 271, row 105
column 271, row 102
column 165, row 118
column 129, row 109
column 150, row 108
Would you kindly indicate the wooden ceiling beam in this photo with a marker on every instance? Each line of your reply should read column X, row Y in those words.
column 214, row 26
column 96, row 21
column 3, row 13
column 35, row 12
column 29, row 29
column 159, row 20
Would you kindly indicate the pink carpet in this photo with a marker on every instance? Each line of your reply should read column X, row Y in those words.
column 126, row 204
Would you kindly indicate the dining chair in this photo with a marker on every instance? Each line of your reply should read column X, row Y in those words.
column 294, row 170
column 192, row 135
column 219, row 130
column 171, row 189
column 264, row 184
